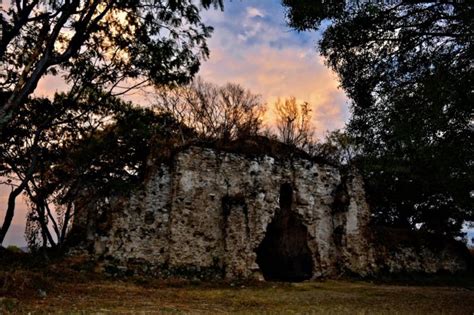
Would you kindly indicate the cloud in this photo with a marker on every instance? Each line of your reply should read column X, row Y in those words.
column 252, row 46
column 259, row 52
column 254, row 12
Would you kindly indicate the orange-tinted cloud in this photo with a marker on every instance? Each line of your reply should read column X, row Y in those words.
column 252, row 46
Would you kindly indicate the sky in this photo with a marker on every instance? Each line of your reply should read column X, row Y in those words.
column 252, row 46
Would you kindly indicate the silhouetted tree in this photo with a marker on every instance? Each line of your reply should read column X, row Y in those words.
column 338, row 147
column 33, row 139
column 112, row 44
column 215, row 112
column 407, row 66
column 98, row 155
column 293, row 123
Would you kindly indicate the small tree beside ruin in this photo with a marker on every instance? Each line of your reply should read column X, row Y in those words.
column 293, row 123
column 223, row 113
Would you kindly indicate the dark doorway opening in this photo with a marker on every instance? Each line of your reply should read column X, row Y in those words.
column 283, row 254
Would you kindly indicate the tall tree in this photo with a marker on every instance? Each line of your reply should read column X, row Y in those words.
column 35, row 136
column 112, row 46
column 113, row 42
column 100, row 164
column 58, row 150
column 407, row 66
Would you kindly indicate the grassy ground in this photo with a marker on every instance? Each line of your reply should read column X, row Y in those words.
column 329, row 297
column 62, row 288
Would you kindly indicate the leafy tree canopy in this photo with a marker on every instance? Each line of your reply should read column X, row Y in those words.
column 114, row 44
column 407, row 66
column 60, row 150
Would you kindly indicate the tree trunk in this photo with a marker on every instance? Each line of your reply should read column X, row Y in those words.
column 40, row 208
column 10, row 211
column 67, row 218
column 15, row 193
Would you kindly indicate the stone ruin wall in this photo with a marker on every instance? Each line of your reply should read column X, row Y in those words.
column 210, row 210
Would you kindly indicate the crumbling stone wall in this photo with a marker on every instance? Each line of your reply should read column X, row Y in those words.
column 209, row 211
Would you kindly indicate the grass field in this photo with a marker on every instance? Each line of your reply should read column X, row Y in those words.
column 68, row 286
column 329, row 297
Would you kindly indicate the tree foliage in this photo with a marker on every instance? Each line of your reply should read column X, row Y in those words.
column 407, row 66
column 115, row 44
column 338, row 147
column 309, row 14
column 215, row 112
column 33, row 138
column 79, row 153
column 293, row 123
column 109, row 46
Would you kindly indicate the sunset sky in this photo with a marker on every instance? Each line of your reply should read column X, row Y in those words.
column 252, row 46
